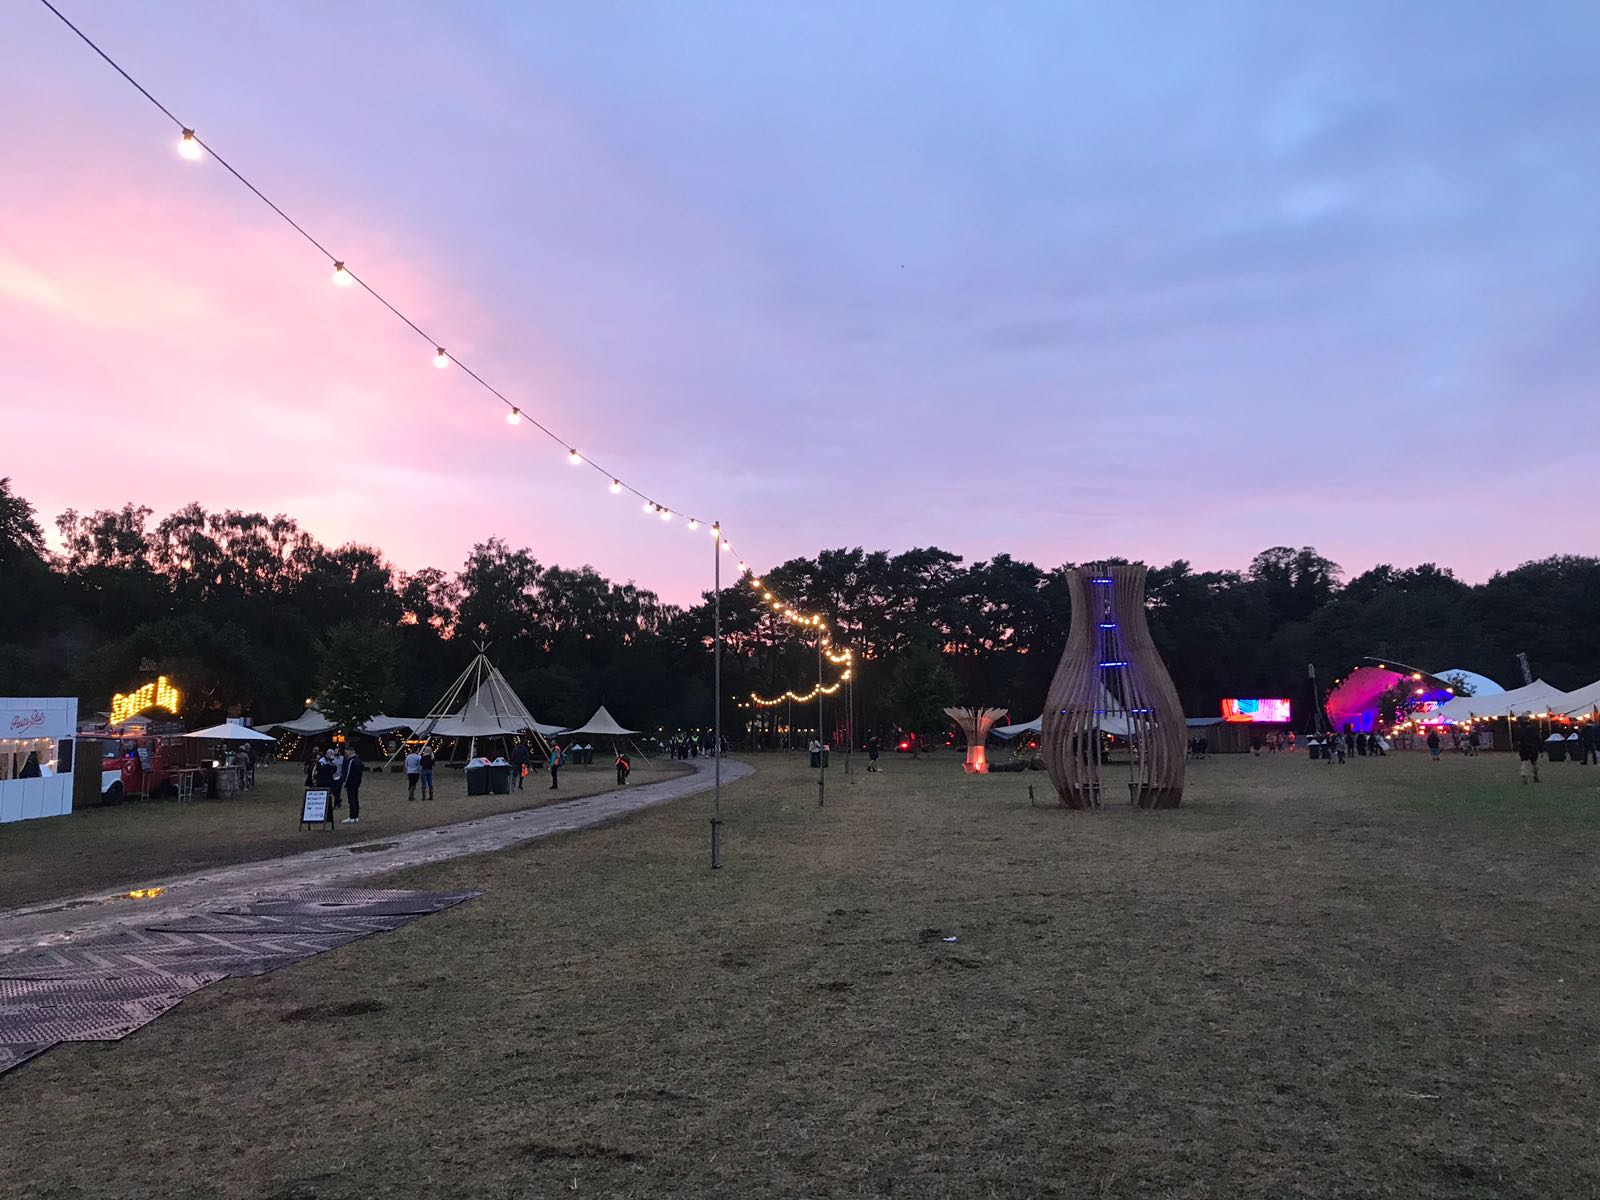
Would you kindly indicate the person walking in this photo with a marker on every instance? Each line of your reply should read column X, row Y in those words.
column 623, row 767
column 519, row 762
column 413, row 774
column 311, row 765
column 426, row 765
column 1433, row 744
column 1528, row 748
column 872, row 754
column 354, row 769
column 555, row 767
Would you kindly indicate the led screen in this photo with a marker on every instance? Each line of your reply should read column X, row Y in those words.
column 1274, row 712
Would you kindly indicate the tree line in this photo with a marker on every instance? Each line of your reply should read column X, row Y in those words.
column 248, row 613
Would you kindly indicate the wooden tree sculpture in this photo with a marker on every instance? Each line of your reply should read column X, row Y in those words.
column 1112, row 681
column 976, row 723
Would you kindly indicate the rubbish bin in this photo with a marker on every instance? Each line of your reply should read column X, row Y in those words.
column 1313, row 750
column 1556, row 747
column 825, row 755
column 478, row 777
column 499, row 778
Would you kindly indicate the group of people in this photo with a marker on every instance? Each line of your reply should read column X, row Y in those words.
column 338, row 771
column 688, row 745
column 1272, row 742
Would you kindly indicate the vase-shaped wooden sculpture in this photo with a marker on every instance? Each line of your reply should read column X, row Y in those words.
column 976, row 723
column 1112, row 681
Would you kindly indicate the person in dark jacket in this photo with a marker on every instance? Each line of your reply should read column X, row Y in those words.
column 311, row 765
column 31, row 769
column 519, row 762
column 354, row 769
column 323, row 773
column 1589, row 744
column 1433, row 744
column 1528, row 748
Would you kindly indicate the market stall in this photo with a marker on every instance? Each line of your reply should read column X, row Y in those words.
column 36, row 745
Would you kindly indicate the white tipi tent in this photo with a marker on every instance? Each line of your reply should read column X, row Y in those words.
column 481, row 704
column 603, row 724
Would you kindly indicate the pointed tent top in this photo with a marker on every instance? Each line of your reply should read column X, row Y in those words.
column 493, row 708
column 604, row 724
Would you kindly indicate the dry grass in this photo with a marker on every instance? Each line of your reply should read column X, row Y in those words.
column 140, row 842
column 1373, row 981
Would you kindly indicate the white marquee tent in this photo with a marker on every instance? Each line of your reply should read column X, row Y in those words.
column 1535, row 697
column 1113, row 720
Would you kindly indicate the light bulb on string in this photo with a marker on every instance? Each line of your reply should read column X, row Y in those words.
column 514, row 417
column 341, row 277
column 189, row 146
column 574, row 458
column 440, row 358
column 693, row 524
column 616, row 486
column 666, row 513
column 649, row 506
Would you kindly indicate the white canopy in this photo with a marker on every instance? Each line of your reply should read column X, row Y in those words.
column 232, row 733
column 1111, row 720
column 602, row 724
column 310, row 723
column 1535, row 697
column 1584, row 700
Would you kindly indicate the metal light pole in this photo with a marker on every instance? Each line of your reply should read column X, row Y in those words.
column 716, row 691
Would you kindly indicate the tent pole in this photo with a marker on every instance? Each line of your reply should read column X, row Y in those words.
column 716, row 692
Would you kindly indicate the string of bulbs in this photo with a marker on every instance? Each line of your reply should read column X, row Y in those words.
column 193, row 148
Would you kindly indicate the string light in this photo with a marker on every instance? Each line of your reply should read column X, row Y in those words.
column 190, row 148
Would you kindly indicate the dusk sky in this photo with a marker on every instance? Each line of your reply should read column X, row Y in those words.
column 1058, row 280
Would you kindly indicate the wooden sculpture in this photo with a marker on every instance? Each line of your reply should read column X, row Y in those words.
column 1112, row 681
column 976, row 723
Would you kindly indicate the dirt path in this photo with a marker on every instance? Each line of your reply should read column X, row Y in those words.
column 107, row 911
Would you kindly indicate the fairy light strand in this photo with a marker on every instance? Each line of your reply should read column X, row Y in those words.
column 194, row 148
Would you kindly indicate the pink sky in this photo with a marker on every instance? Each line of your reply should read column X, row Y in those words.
column 827, row 315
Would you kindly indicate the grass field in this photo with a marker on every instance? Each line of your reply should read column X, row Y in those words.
column 142, row 841
column 1368, row 981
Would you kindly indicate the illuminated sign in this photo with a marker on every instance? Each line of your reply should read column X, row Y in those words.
column 1268, row 712
column 160, row 694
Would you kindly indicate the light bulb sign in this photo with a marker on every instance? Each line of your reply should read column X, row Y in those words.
column 159, row 694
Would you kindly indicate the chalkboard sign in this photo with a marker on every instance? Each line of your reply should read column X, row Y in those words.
column 315, row 811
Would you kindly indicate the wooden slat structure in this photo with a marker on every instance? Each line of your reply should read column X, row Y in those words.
column 1112, row 679
column 975, row 723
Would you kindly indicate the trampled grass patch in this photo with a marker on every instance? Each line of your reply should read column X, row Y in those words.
column 1373, row 980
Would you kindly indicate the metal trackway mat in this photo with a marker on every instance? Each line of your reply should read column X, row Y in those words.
column 104, row 990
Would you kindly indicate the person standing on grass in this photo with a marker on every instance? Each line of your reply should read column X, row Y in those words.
column 623, row 767
column 323, row 776
column 338, row 777
column 426, row 765
column 413, row 774
column 1433, row 744
column 1589, row 744
column 555, row 767
column 354, row 768
column 312, row 760
column 519, row 762
column 1528, row 749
